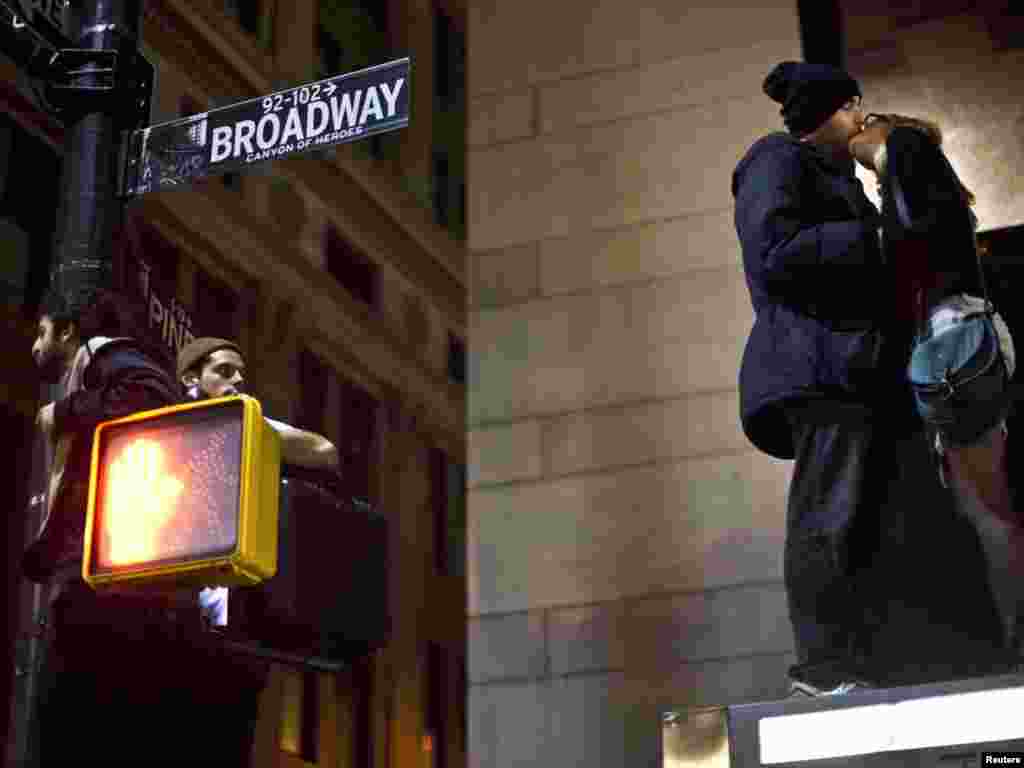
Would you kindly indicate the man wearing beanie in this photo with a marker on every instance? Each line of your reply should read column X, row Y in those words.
column 822, row 382
column 211, row 367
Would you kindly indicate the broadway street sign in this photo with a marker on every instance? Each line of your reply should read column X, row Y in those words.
column 317, row 115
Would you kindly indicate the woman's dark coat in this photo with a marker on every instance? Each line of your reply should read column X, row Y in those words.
column 821, row 292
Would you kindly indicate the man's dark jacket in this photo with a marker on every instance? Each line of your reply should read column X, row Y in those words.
column 821, row 291
column 124, row 376
column 928, row 225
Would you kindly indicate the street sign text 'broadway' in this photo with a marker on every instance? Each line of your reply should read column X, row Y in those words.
column 313, row 116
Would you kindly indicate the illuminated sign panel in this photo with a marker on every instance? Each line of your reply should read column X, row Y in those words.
column 186, row 495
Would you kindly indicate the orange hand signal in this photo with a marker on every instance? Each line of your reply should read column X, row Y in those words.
column 140, row 502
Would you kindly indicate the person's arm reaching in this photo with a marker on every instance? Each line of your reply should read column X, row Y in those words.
column 305, row 449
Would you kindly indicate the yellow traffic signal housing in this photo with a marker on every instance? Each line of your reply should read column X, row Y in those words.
column 184, row 496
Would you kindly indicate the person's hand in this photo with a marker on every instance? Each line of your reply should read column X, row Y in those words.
column 865, row 144
column 44, row 420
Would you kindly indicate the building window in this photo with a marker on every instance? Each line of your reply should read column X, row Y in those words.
column 350, row 267
column 26, row 224
column 351, row 34
column 255, row 17
column 449, row 503
column 435, row 719
column 313, row 384
column 216, row 306
column 1006, row 27
column 448, row 180
column 28, row 219
column 330, row 54
column 356, row 439
column 362, row 712
column 300, row 709
column 354, row 432
column 232, row 181
column 456, row 359
column 449, row 71
column 440, row 188
column 461, row 694
column 246, row 13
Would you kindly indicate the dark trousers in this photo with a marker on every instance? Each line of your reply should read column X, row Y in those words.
column 129, row 681
column 885, row 580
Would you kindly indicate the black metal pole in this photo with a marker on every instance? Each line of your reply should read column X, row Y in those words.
column 90, row 211
column 93, row 106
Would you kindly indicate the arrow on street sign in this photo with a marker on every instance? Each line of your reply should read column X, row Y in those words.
column 317, row 115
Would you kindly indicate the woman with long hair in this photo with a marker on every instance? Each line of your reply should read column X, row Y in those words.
column 929, row 241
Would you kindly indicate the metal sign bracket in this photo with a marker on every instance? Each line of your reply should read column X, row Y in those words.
column 125, row 91
column 128, row 163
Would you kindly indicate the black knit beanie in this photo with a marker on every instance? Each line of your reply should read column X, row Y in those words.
column 809, row 93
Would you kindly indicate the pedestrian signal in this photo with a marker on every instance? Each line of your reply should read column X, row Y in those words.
column 184, row 496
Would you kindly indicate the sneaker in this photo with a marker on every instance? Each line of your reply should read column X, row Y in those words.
column 801, row 690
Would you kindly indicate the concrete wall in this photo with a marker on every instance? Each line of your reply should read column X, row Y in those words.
column 625, row 539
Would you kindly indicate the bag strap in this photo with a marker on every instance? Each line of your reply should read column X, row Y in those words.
column 951, row 172
column 907, row 222
column 989, row 307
